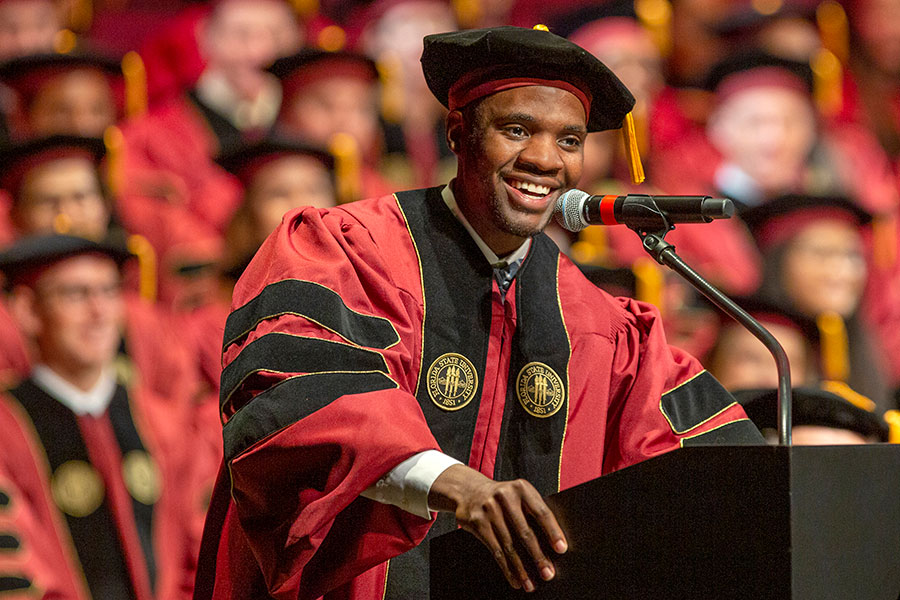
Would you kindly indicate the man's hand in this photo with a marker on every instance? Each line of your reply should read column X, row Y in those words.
column 495, row 512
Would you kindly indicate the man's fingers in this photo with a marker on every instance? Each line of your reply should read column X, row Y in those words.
column 498, row 513
column 484, row 531
column 514, row 511
column 538, row 509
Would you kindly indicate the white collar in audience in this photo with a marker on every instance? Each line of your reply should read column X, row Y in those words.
column 93, row 402
column 214, row 90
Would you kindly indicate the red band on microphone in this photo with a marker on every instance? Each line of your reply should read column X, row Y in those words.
column 607, row 210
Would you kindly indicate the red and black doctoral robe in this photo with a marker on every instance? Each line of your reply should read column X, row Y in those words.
column 338, row 362
column 102, row 496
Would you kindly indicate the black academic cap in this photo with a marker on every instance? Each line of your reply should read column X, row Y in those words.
column 756, row 60
column 812, row 406
column 17, row 160
column 28, row 74
column 310, row 65
column 568, row 22
column 37, row 252
column 245, row 160
column 776, row 220
column 496, row 53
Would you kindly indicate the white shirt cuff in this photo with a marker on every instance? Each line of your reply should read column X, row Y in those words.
column 407, row 485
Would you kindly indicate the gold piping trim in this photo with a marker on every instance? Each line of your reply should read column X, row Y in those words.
column 311, row 320
column 387, row 569
column 306, row 337
column 685, row 382
column 690, row 437
column 562, row 444
column 422, row 283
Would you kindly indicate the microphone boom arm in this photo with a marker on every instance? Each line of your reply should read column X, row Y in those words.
column 664, row 253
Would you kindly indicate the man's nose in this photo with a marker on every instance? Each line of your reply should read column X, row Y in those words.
column 541, row 155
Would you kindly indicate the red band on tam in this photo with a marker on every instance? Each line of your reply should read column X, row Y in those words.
column 761, row 77
column 608, row 210
column 473, row 87
column 781, row 228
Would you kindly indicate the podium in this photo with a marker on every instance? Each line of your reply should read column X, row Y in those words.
column 714, row 522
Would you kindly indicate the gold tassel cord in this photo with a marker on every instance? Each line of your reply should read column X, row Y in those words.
column 115, row 143
column 347, row 167
column 834, row 345
column 892, row 417
column 135, row 84
column 843, row 390
column 390, row 73
column 828, row 87
column 834, row 29
column 656, row 17
column 468, row 13
column 632, row 151
column 146, row 256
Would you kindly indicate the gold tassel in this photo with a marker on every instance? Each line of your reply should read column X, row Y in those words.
column 592, row 247
column 656, row 17
column 135, row 84
column 834, row 29
column 390, row 72
column 332, row 38
column 305, row 9
column 81, row 15
column 892, row 417
column 828, row 86
column 115, row 143
column 468, row 13
column 146, row 256
column 632, row 151
column 541, row 27
column 649, row 282
column 65, row 41
column 843, row 390
column 834, row 346
column 884, row 241
column 347, row 167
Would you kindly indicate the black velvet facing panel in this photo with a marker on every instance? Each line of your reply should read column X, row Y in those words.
column 736, row 433
column 530, row 446
column 292, row 400
column 316, row 303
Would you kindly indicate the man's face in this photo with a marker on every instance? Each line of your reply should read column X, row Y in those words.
column 79, row 102
column 79, row 310
column 335, row 105
column 522, row 150
column 741, row 362
column 27, row 27
column 62, row 192
column 768, row 132
column 243, row 37
column 285, row 184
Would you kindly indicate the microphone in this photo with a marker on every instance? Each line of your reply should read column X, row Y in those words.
column 575, row 210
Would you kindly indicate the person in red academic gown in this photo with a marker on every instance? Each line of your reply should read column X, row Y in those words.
column 168, row 171
column 103, row 452
column 377, row 349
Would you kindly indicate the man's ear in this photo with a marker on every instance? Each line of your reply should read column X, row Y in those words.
column 455, row 131
column 23, row 308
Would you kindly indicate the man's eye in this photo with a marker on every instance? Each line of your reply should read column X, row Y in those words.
column 516, row 131
column 570, row 142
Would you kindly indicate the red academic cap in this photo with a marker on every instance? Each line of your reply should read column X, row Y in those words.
column 20, row 159
column 777, row 220
column 246, row 160
column 28, row 75
column 310, row 65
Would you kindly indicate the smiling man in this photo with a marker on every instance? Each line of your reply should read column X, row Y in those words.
column 401, row 366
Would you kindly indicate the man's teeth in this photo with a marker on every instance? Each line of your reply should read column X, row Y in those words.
column 540, row 190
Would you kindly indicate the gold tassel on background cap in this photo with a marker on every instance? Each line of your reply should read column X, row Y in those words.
column 114, row 142
column 146, row 256
column 347, row 167
column 649, row 282
column 65, row 41
column 591, row 248
column 135, row 85
column 892, row 418
column 835, row 346
column 828, row 82
column 305, row 9
column 839, row 388
column 834, row 29
column 632, row 151
column 656, row 17
column 468, row 13
column 332, row 38
column 390, row 73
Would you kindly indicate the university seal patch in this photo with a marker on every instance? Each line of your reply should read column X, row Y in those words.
column 540, row 390
column 77, row 488
column 452, row 381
